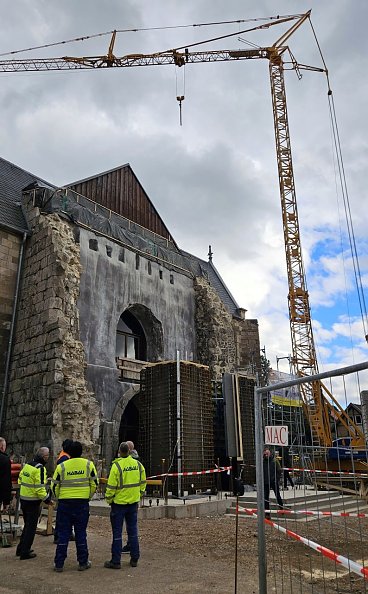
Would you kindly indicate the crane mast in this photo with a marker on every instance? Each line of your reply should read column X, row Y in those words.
column 304, row 360
column 317, row 406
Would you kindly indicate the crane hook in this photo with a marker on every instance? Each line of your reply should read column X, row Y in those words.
column 180, row 98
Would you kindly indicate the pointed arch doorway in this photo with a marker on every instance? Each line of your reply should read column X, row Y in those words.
column 129, row 423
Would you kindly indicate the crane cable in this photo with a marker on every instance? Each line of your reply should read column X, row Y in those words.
column 140, row 29
column 345, row 196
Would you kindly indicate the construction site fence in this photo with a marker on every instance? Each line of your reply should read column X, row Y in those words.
column 317, row 539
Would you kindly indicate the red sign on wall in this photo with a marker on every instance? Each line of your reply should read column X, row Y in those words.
column 277, row 435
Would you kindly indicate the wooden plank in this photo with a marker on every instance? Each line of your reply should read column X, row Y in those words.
column 361, row 493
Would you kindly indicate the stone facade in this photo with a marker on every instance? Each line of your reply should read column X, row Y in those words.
column 9, row 257
column 246, row 333
column 225, row 343
column 48, row 396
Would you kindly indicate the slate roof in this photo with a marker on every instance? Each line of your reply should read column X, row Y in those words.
column 13, row 180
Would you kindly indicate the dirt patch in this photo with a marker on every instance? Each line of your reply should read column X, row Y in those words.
column 193, row 555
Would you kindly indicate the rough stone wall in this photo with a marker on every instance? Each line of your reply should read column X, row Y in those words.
column 9, row 256
column 215, row 334
column 48, row 396
column 247, row 345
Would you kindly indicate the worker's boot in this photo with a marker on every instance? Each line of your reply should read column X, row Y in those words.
column 29, row 555
column 17, row 552
column 85, row 566
column 58, row 569
column 111, row 565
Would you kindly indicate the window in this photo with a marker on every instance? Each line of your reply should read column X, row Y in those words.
column 161, row 275
column 93, row 245
column 171, row 279
column 127, row 343
column 358, row 419
column 137, row 261
column 130, row 338
column 149, row 267
column 109, row 250
column 122, row 255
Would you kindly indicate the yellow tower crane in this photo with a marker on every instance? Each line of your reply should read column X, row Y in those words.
column 319, row 404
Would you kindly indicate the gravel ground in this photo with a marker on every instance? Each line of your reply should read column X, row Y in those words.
column 194, row 555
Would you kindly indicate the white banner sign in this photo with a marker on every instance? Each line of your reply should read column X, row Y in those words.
column 277, row 435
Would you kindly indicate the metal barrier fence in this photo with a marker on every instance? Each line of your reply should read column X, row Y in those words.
column 314, row 536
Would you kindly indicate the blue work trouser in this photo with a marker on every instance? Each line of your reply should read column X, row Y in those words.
column 72, row 514
column 118, row 514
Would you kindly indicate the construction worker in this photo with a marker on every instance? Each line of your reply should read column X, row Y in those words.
column 125, row 486
column 73, row 484
column 32, row 480
column 271, row 476
column 5, row 477
column 64, row 453
column 134, row 454
column 62, row 457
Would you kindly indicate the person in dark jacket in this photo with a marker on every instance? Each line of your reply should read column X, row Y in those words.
column 286, row 463
column 5, row 477
column 271, row 476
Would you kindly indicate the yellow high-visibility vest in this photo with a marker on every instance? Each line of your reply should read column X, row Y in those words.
column 127, row 481
column 75, row 479
column 33, row 481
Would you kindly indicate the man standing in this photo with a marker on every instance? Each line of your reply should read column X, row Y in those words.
column 271, row 476
column 5, row 477
column 64, row 455
column 286, row 463
column 73, row 484
column 134, row 454
column 125, row 486
column 32, row 479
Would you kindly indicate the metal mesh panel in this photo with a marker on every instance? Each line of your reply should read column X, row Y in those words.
column 316, row 541
column 246, row 399
column 158, row 430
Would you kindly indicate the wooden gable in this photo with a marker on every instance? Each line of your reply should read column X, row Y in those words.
column 120, row 190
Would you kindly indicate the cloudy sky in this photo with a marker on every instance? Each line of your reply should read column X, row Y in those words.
column 213, row 179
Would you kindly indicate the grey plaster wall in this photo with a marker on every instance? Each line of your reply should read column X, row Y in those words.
column 108, row 287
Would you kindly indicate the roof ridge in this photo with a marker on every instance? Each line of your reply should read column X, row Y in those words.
column 81, row 181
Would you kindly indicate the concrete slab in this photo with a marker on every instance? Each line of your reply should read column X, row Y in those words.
column 175, row 509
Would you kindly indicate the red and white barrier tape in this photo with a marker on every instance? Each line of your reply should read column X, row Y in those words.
column 193, row 473
column 304, row 512
column 324, row 551
column 335, row 472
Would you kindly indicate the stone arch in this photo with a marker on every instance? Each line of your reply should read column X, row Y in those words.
column 152, row 328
